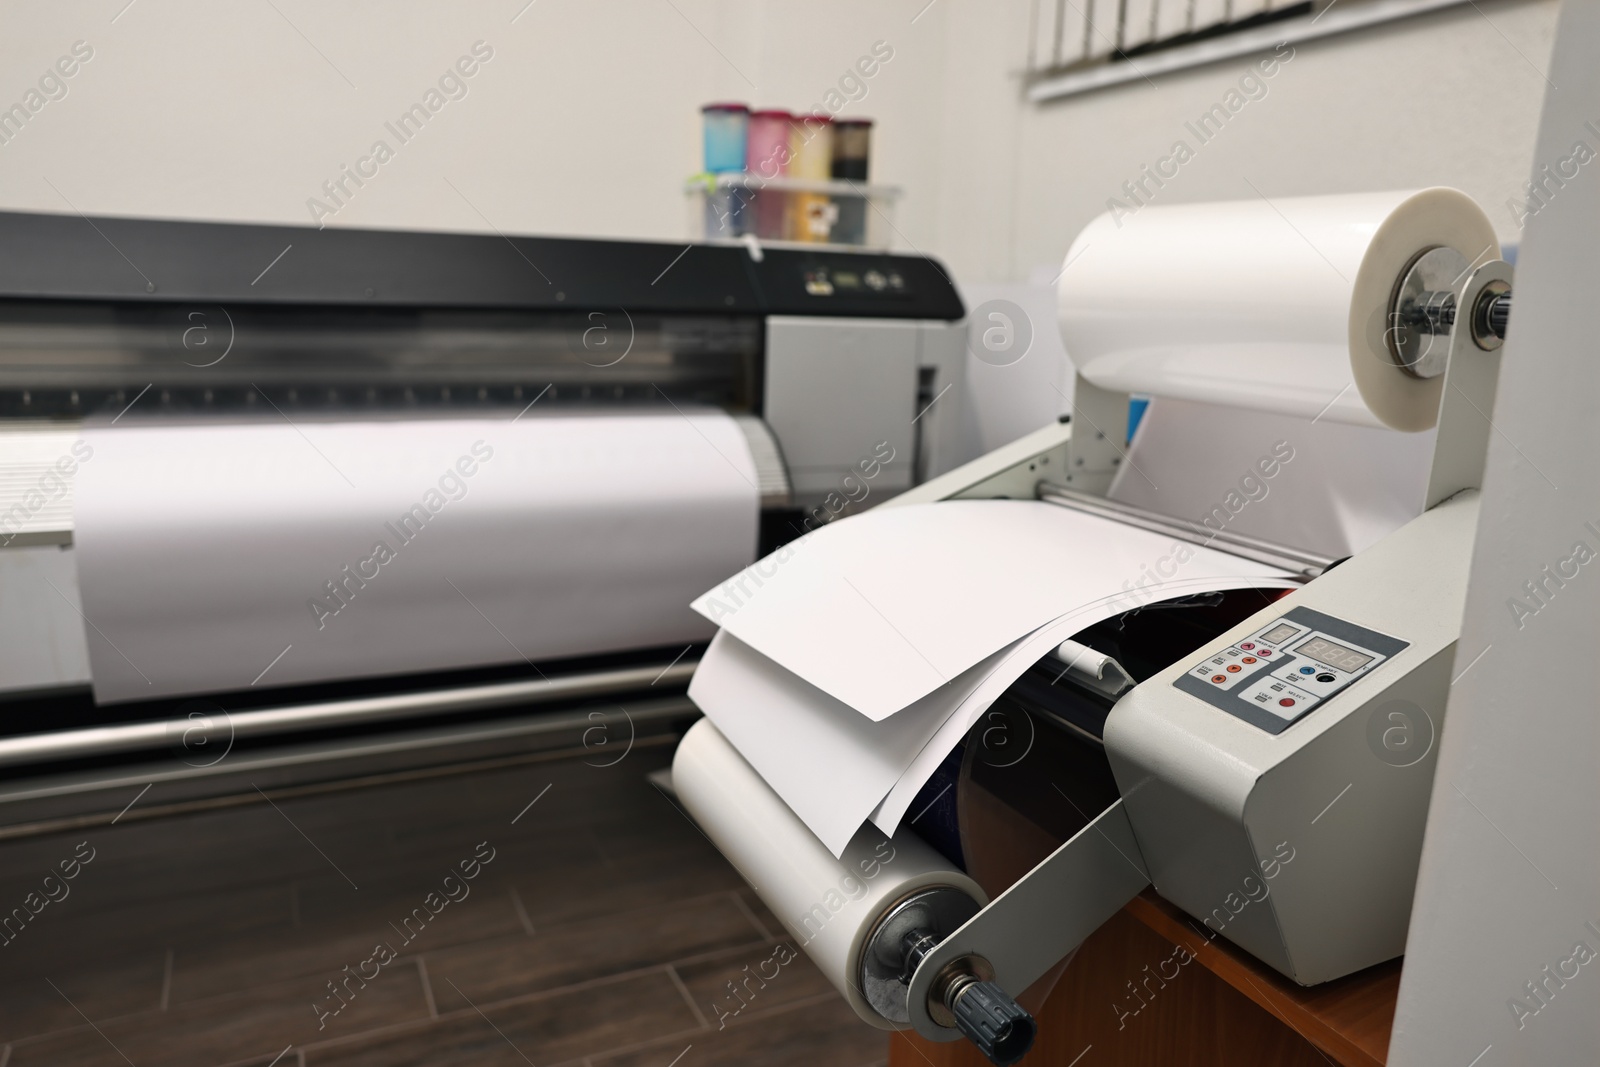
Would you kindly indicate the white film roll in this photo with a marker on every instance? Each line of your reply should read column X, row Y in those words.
column 1279, row 306
column 830, row 906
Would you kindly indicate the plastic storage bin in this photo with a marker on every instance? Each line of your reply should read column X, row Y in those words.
column 731, row 208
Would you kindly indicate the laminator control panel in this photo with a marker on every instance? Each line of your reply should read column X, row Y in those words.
column 1279, row 674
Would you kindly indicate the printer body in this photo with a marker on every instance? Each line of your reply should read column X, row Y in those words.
column 824, row 358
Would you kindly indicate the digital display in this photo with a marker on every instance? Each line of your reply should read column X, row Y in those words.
column 1324, row 651
column 1280, row 633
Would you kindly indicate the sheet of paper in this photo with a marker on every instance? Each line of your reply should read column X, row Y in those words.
column 215, row 557
column 882, row 609
column 837, row 768
column 965, row 710
column 830, row 764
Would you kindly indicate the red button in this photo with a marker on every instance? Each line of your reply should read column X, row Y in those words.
column 1248, row 659
column 1266, row 651
column 1234, row 668
column 1248, row 645
column 1287, row 702
column 1219, row 678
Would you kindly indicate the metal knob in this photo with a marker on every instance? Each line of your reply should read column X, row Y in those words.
column 964, row 996
column 991, row 1020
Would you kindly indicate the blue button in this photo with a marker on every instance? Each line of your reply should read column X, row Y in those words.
column 1308, row 670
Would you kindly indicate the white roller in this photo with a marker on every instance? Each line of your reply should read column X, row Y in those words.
column 1273, row 305
column 828, row 905
column 1094, row 668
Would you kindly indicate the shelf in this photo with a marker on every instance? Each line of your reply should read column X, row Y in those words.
column 832, row 187
column 791, row 212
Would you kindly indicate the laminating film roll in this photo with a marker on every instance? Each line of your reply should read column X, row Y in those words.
column 1276, row 305
column 830, row 906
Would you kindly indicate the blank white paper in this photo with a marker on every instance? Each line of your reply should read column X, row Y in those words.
column 962, row 711
column 835, row 767
column 214, row 557
column 830, row 764
column 880, row 610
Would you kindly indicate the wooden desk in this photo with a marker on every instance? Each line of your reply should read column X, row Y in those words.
column 1112, row 1007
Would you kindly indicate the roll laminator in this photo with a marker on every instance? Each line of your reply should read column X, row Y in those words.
column 1312, row 720
column 200, row 321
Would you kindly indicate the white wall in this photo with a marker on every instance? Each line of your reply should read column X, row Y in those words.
column 1450, row 98
column 586, row 119
column 586, row 122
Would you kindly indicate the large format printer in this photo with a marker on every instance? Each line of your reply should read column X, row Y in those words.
column 1256, row 744
column 827, row 373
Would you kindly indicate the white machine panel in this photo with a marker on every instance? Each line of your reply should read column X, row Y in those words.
column 1220, row 789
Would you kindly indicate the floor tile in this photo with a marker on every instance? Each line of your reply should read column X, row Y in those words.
column 751, row 979
column 237, row 1026
column 30, row 1006
column 327, row 945
column 637, row 927
column 578, row 951
column 117, row 928
column 543, row 1029
column 660, row 859
column 762, row 914
column 820, row 1033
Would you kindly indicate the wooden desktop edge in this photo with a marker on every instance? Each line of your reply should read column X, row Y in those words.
column 1349, row 1019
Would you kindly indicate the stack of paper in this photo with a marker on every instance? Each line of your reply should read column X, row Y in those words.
column 850, row 663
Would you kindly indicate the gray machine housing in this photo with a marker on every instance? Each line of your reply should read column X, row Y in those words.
column 838, row 389
column 1301, row 846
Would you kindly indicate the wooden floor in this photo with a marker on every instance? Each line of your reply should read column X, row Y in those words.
column 604, row 931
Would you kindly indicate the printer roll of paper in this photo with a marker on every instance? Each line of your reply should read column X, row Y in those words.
column 219, row 554
column 1275, row 305
column 830, row 906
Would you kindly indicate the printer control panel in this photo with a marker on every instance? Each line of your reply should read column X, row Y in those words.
column 1279, row 674
column 854, row 276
